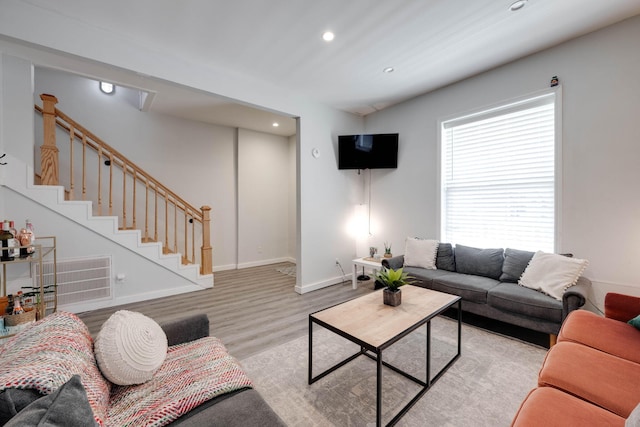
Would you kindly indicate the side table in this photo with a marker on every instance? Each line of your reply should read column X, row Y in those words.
column 371, row 263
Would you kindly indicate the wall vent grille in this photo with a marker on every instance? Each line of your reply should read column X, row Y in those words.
column 79, row 280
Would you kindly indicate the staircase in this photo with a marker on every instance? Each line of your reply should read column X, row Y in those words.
column 124, row 204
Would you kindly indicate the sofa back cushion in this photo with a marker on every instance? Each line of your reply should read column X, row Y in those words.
column 479, row 262
column 45, row 355
column 445, row 259
column 515, row 262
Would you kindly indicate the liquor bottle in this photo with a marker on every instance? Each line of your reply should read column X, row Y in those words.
column 6, row 238
column 32, row 235
column 17, row 307
column 16, row 242
column 28, row 302
column 24, row 239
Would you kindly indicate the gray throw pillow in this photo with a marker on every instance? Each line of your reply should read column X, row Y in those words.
column 14, row 400
column 445, row 259
column 515, row 262
column 479, row 262
column 68, row 406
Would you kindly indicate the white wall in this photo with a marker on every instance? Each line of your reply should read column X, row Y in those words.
column 325, row 195
column 263, row 198
column 144, row 279
column 201, row 162
column 16, row 132
column 292, row 199
column 16, row 112
column 181, row 154
column 600, row 207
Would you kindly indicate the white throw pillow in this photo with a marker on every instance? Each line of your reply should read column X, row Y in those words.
column 552, row 273
column 420, row 253
column 130, row 348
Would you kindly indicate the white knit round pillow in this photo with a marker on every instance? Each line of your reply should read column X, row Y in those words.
column 130, row 348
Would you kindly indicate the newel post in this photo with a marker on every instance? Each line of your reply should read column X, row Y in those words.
column 206, row 267
column 49, row 151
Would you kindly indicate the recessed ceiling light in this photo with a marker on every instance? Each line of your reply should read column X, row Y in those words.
column 517, row 5
column 328, row 36
column 107, row 88
column 276, row 124
column 388, row 70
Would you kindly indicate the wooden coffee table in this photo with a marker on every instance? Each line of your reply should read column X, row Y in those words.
column 373, row 326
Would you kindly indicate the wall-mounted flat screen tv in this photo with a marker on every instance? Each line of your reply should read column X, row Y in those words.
column 377, row 151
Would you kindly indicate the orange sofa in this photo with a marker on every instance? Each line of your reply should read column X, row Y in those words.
column 591, row 377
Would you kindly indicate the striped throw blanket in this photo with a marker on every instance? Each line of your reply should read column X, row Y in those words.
column 46, row 354
column 192, row 374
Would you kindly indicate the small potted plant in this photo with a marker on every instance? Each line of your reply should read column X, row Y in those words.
column 393, row 279
column 387, row 250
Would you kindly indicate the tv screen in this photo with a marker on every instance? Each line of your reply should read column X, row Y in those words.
column 378, row 151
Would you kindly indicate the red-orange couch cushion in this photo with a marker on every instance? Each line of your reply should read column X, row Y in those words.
column 550, row 407
column 600, row 378
column 621, row 307
column 608, row 335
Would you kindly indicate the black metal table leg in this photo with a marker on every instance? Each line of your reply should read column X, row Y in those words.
column 375, row 353
column 379, row 389
column 428, row 380
column 310, row 349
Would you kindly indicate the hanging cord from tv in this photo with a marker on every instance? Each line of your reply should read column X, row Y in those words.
column 369, row 210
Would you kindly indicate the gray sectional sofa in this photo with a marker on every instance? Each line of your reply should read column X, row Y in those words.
column 487, row 281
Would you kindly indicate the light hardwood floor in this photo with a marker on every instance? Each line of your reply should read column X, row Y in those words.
column 250, row 310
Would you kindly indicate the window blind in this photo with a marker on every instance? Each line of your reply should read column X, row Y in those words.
column 498, row 177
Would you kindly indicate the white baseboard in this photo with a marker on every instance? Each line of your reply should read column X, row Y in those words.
column 263, row 262
column 303, row 289
column 95, row 305
column 252, row 264
column 224, row 267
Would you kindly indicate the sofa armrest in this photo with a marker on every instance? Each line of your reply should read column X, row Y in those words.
column 395, row 263
column 185, row 329
column 621, row 307
column 575, row 297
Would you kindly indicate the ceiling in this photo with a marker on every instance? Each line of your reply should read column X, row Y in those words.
column 429, row 43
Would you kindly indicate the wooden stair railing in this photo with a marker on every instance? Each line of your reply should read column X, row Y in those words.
column 166, row 208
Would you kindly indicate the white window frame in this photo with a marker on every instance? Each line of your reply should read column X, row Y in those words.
column 500, row 108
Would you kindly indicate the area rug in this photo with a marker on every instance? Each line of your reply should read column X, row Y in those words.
column 289, row 271
column 484, row 387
